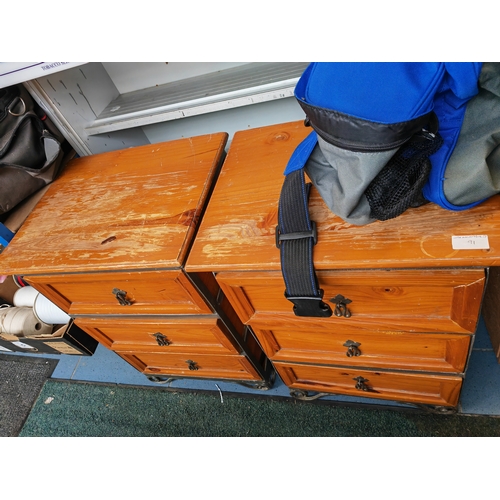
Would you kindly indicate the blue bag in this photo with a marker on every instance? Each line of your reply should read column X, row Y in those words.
column 383, row 137
column 363, row 113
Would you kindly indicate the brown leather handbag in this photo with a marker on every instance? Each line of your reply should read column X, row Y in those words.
column 30, row 156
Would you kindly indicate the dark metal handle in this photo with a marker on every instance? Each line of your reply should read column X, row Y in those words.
column 192, row 365
column 360, row 384
column 121, row 296
column 352, row 348
column 341, row 306
column 161, row 339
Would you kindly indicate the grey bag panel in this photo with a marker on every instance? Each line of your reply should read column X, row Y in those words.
column 473, row 170
column 341, row 178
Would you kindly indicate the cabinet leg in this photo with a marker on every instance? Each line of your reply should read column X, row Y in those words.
column 438, row 410
column 160, row 380
column 261, row 385
column 304, row 395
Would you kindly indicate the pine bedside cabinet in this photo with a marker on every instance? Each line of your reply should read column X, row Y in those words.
column 107, row 243
column 415, row 283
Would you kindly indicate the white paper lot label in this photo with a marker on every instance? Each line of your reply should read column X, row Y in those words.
column 23, row 345
column 470, row 242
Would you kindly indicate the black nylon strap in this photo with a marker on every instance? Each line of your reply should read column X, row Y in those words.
column 295, row 237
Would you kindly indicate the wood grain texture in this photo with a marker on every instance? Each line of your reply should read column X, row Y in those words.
column 150, row 292
column 208, row 366
column 440, row 390
column 325, row 344
column 432, row 300
column 238, row 230
column 108, row 243
column 191, row 334
column 128, row 209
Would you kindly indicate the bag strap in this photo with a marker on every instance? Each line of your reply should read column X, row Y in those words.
column 296, row 236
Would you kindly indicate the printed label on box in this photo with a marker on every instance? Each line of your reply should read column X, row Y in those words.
column 476, row 242
column 62, row 347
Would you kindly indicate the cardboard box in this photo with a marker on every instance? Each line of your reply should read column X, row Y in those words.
column 68, row 339
column 8, row 288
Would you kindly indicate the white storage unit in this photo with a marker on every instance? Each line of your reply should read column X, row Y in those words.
column 108, row 106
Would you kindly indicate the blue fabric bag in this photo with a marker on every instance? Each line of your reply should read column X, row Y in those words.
column 383, row 137
column 362, row 113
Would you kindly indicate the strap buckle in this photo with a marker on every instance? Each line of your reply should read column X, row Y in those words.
column 310, row 306
column 313, row 233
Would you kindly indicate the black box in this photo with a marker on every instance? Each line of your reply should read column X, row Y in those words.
column 68, row 339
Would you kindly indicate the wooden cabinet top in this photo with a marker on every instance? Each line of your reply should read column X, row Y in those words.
column 136, row 208
column 238, row 228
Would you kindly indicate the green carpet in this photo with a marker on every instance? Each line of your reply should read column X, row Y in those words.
column 95, row 410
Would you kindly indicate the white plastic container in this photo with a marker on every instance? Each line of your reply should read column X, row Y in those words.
column 48, row 312
column 25, row 296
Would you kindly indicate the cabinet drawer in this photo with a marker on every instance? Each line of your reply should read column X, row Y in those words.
column 404, row 387
column 194, row 365
column 149, row 292
column 341, row 345
column 205, row 334
column 432, row 300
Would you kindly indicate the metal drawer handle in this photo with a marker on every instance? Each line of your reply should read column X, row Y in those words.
column 192, row 365
column 161, row 339
column 360, row 384
column 341, row 306
column 352, row 348
column 121, row 296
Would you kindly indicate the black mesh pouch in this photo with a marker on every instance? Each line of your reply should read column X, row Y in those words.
column 398, row 186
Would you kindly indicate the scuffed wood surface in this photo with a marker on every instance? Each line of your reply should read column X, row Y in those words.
column 238, row 230
column 130, row 209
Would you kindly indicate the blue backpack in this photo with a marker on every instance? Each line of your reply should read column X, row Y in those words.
column 383, row 140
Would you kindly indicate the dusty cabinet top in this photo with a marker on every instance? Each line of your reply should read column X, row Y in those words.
column 136, row 208
column 238, row 228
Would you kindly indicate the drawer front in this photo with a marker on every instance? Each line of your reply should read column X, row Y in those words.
column 432, row 300
column 194, row 365
column 206, row 334
column 340, row 345
column 404, row 387
column 151, row 292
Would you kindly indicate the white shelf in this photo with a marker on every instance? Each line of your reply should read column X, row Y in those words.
column 12, row 73
column 230, row 88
